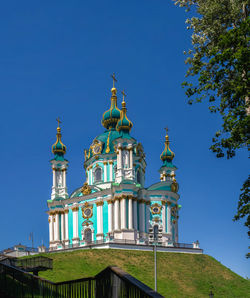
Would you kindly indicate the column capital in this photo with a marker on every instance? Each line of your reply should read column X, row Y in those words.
column 163, row 202
column 66, row 211
column 49, row 220
column 169, row 203
column 111, row 162
column 110, row 201
column 100, row 203
column 76, row 208
column 147, row 202
column 105, row 162
column 117, row 198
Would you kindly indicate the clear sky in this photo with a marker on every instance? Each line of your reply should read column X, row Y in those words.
column 56, row 59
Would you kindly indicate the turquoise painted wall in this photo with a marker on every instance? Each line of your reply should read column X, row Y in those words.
column 80, row 221
column 105, row 218
column 70, row 225
column 94, row 220
column 60, row 226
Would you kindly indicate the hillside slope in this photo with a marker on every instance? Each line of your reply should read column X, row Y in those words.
column 179, row 275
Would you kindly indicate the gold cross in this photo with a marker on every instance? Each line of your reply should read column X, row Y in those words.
column 124, row 94
column 58, row 120
column 167, row 130
column 114, row 79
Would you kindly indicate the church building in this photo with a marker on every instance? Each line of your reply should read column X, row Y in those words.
column 113, row 205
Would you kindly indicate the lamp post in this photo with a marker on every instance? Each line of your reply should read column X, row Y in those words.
column 211, row 294
column 155, row 255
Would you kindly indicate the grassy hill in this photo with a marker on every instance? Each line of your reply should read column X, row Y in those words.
column 179, row 275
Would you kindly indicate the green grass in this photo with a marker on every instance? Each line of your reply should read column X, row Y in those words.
column 179, row 275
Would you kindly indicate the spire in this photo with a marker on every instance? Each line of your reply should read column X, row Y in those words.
column 59, row 149
column 124, row 124
column 167, row 154
column 111, row 116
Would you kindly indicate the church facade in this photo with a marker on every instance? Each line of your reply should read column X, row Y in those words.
column 113, row 205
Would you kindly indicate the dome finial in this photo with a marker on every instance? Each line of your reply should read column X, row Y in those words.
column 111, row 116
column 124, row 124
column 59, row 148
column 113, row 90
column 167, row 154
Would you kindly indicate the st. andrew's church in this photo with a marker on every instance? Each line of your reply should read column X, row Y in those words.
column 113, row 205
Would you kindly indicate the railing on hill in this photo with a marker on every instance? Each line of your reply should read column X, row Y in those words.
column 111, row 282
column 122, row 242
column 38, row 263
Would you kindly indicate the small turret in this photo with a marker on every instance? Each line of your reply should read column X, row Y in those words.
column 124, row 124
column 167, row 154
column 59, row 149
column 59, row 166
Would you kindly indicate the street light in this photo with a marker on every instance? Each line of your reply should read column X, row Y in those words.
column 211, row 294
column 155, row 235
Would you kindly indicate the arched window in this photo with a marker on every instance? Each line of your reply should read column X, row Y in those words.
column 138, row 177
column 98, row 175
column 88, row 235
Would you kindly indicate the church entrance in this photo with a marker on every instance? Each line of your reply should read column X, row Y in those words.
column 88, row 235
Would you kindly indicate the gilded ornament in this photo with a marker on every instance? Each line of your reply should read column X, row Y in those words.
column 107, row 148
column 156, row 208
column 75, row 208
column 174, row 186
column 100, row 203
column 87, row 211
column 86, row 190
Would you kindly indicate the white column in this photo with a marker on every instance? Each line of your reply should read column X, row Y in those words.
column 135, row 222
column 51, row 234
column 130, row 213
column 123, row 214
column 110, row 216
column 131, row 158
column 54, row 177
column 99, row 220
column 66, row 219
column 111, row 170
column 147, row 215
column 64, row 177
column 90, row 176
column 75, row 222
column 142, row 216
column 105, row 171
column 62, row 227
column 119, row 157
column 57, row 236
column 117, row 215
column 169, row 218
column 163, row 216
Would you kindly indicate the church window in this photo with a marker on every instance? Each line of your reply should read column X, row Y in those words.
column 138, row 177
column 88, row 235
column 98, row 174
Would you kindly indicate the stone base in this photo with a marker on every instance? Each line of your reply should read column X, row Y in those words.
column 75, row 241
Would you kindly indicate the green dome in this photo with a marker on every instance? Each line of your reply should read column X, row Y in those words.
column 59, row 148
column 124, row 124
column 167, row 154
column 111, row 116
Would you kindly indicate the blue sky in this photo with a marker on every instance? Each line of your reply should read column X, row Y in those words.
column 56, row 59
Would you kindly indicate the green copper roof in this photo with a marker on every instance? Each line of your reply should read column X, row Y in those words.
column 59, row 149
column 111, row 116
column 124, row 124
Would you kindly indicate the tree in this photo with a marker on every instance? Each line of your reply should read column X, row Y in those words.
column 218, row 70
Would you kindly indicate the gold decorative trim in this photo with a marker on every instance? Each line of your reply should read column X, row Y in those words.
column 105, row 162
column 84, row 209
column 86, row 190
column 66, row 211
column 169, row 203
column 99, row 203
column 107, row 147
column 163, row 203
column 111, row 162
column 157, row 206
column 110, row 201
column 75, row 208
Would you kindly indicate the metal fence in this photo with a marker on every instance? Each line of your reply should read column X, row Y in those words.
column 38, row 263
column 111, row 282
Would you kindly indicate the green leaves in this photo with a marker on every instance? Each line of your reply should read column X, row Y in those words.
column 219, row 69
